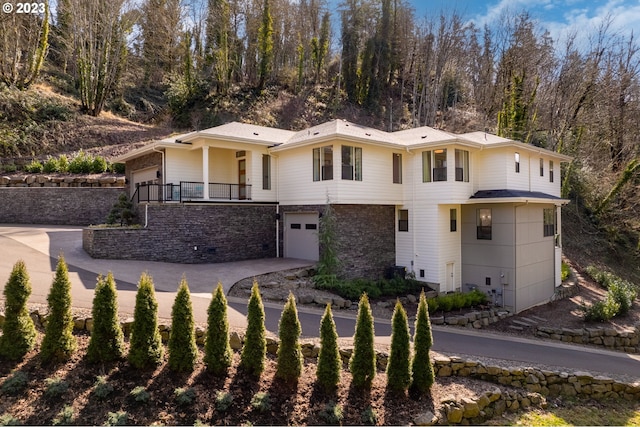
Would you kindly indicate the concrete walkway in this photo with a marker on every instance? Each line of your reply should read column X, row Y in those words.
column 39, row 247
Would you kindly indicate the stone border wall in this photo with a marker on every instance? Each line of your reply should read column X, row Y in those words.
column 475, row 319
column 37, row 180
column 627, row 340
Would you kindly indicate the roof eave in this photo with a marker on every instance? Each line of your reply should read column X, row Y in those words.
column 493, row 200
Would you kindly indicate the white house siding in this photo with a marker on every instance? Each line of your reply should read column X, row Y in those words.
column 183, row 165
column 223, row 166
column 491, row 167
column 449, row 249
column 404, row 240
column 254, row 177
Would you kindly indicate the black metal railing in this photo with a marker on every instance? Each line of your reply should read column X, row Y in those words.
column 156, row 193
column 190, row 191
column 219, row 190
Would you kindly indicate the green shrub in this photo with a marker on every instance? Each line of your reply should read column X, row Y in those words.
column 118, row 168
column 101, row 388
column 122, row 211
column 18, row 332
column 432, row 304
column 261, row 402
column 398, row 373
column 63, row 163
column 50, row 165
column 59, row 343
column 183, row 351
column 35, row 166
column 217, row 349
column 145, row 343
column 7, row 419
column 140, row 394
column 98, row 165
column 65, row 417
column 332, row 414
column 289, row 357
column 255, row 344
column 363, row 360
column 369, row 416
column 565, row 271
column 81, row 163
column 422, row 375
column 107, row 340
column 120, row 418
column 56, row 387
column 329, row 360
column 184, row 396
column 224, row 400
column 624, row 294
column 15, row 383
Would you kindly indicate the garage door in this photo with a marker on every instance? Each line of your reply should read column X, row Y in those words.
column 301, row 236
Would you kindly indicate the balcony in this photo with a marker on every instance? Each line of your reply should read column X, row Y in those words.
column 190, row 191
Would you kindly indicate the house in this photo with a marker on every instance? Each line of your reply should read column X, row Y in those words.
column 457, row 211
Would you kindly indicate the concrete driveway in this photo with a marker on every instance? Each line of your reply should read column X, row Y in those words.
column 39, row 247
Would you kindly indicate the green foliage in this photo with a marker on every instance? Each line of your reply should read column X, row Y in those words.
column 329, row 360
column 224, row 400
column 422, row 376
column 120, row 418
column 618, row 301
column 624, row 293
column 107, row 340
column 15, row 383
column 122, row 211
column 363, row 360
column 56, row 387
column 145, row 344
column 289, row 361
column 265, row 45
column 255, row 344
column 217, row 349
column 456, row 301
column 50, row 165
column 81, row 163
column 261, row 402
column 101, row 388
column 139, row 394
column 184, row 396
column 98, row 165
column 328, row 262
column 35, row 166
column 59, row 343
column 7, row 419
column 182, row 340
column 332, row 414
column 118, row 168
column 18, row 332
column 353, row 289
column 565, row 271
column 601, row 311
column 398, row 369
column 369, row 416
column 65, row 417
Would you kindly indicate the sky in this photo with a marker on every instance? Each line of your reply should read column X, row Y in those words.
column 559, row 17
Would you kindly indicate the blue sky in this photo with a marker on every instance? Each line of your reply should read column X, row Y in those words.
column 557, row 16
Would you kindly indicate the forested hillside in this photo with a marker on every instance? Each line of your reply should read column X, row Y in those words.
column 130, row 71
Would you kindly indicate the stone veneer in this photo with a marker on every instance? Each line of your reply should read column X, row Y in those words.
column 190, row 233
column 627, row 340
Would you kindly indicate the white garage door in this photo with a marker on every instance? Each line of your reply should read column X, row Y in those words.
column 301, row 236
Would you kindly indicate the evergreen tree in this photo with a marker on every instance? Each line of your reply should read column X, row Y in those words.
column 265, row 45
column 289, row 352
column 217, row 349
column 107, row 340
column 421, row 367
column 255, row 344
column 18, row 332
column 329, row 360
column 182, row 340
column 145, row 344
column 59, row 343
column 363, row 360
column 398, row 374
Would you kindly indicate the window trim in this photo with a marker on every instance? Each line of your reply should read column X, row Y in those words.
column 266, row 172
column 442, row 171
column 403, row 224
column 465, row 165
column 484, row 232
column 320, row 170
column 453, row 220
column 355, row 163
column 549, row 222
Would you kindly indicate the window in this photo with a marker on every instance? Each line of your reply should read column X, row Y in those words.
column 403, row 220
column 462, row 165
column 397, row 168
column 517, row 160
column 483, row 223
column 453, row 220
column 351, row 163
column 550, row 170
column 440, row 164
column 426, row 166
column 549, row 218
column 541, row 167
column 266, row 172
column 323, row 163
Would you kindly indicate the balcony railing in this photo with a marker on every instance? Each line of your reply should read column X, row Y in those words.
column 190, row 191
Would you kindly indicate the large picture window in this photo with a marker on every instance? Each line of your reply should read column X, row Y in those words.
column 323, row 163
column 483, row 224
column 549, row 219
column 397, row 168
column 462, row 165
column 351, row 163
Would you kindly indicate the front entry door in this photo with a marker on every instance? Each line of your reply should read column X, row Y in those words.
column 242, row 179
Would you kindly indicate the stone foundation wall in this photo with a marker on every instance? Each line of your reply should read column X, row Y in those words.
column 627, row 340
column 189, row 233
column 37, row 180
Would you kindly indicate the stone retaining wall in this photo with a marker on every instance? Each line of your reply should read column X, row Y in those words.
column 627, row 340
column 475, row 319
column 35, row 180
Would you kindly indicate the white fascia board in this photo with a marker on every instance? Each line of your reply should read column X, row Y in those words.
column 530, row 148
column 478, row 201
column 338, row 138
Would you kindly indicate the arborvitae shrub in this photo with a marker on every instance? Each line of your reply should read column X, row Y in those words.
column 107, row 340
column 145, row 344
column 398, row 374
column 255, row 344
column 421, row 367
column 59, row 343
column 19, row 332
column 289, row 365
column 329, row 360
column 363, row 360
column 183, row 351
column 217, row 349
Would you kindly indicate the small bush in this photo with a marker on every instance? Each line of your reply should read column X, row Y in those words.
column 261, row 402
column 422, row 374
column 56, row 387
column 184, row 396
column 7, row 419
column 255, row 345
column 98, row 165
column 107, row 340
column 63, row 163
column 15, row 383
column 18, row 332
column 369, row 416
column 182, row 340
column 81, row 163
column 145, row 343
column 363, row 359
column 289, row 357
column 101, row 388
column 140, row 394
column 120, row 418
column 224, row 400
column 624, row 294
column 118, row 168
column 601, row 311
column 217, row 349
column 35, row 166
column 329, row 361
column 398, row 368
column 65, row 417
column 565, row 271
column 332, row 414
column 50, row 165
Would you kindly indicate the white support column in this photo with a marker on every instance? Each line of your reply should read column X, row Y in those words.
column 205, row 172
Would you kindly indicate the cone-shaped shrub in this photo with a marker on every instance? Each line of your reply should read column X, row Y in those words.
column 145, row 344
column 398, row 374
column 58, row 342
column 363, row 360
column 107, row 341
column 421, row 367
column 289, row 352
column 329, row 360
column 19, row 332
column 183, row 351
column 255, row 343
column 217, row 349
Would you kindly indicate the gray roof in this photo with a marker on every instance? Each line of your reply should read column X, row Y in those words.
column 501, row 194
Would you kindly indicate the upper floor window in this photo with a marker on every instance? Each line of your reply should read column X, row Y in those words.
column 323, row 163
column 549, row 221
column 541, row 167
column 403, row 220
column 550, row 170
column 453, row 220
column 351, row 163
column 266, row 172
column 517, row 160
column 440, row 164
column 483, row 224
column 397, row 168
column 426, row 166
column 462, row 165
